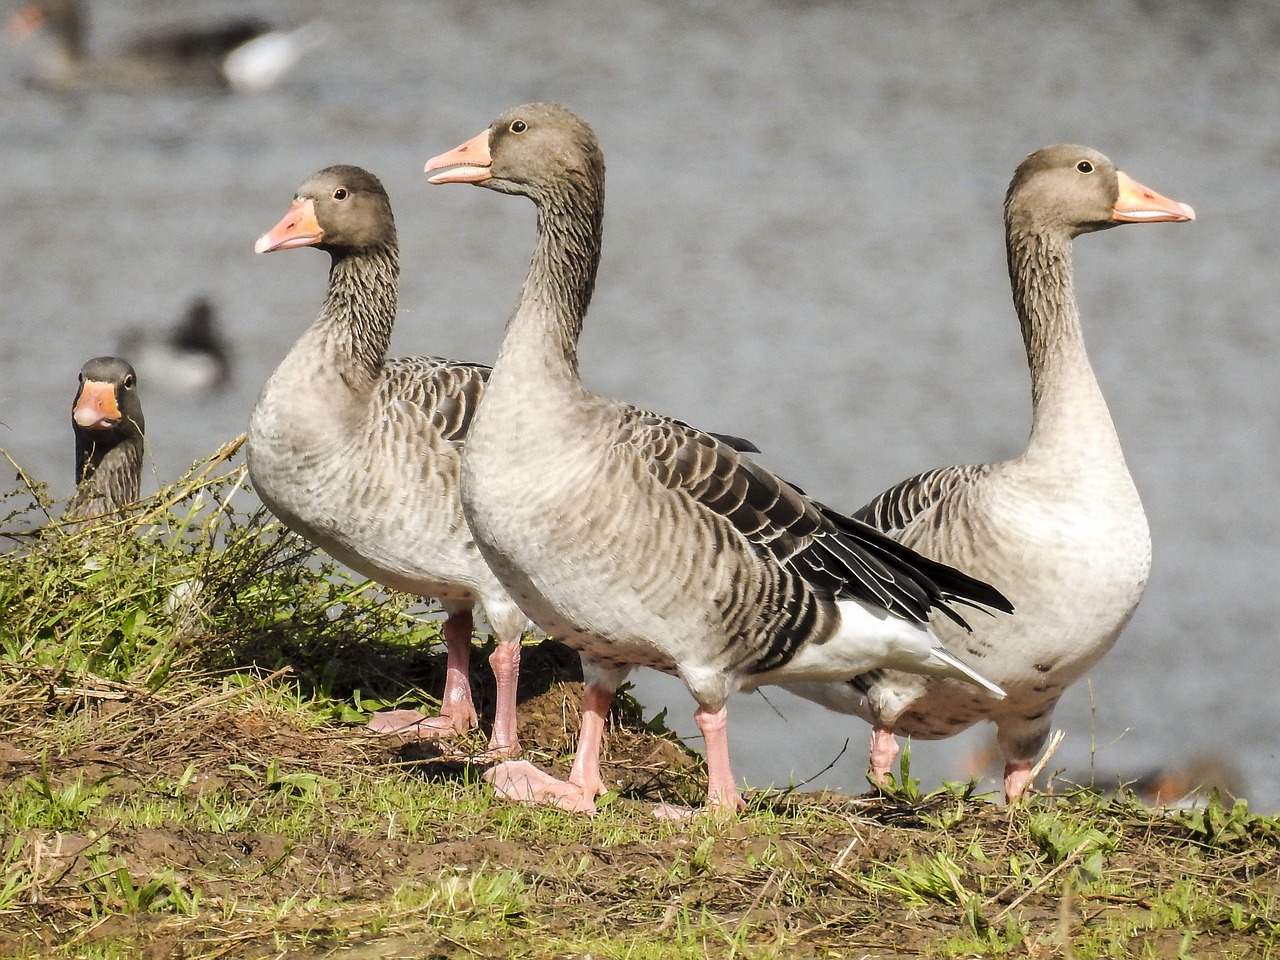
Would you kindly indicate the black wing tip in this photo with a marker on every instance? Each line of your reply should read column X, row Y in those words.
column 957, row 587
column 740, row 444
column 943, row 583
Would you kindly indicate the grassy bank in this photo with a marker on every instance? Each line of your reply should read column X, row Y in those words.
column 182, row 774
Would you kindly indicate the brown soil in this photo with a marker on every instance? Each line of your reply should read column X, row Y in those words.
column 814, row 885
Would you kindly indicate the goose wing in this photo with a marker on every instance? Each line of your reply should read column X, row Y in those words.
column 447, row 392
column 919, row 499
column 839, row 557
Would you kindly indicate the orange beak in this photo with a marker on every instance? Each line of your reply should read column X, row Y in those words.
column 298, row 229
column 25, row 22
column 1137, row 204
column 95, row 407
column 469, row 163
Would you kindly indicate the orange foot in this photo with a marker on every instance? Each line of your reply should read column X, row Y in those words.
column 725, row 809
column 497, row 752
column 414, row 725
column 521, row 781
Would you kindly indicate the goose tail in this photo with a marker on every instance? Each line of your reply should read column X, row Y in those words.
column 962, row 671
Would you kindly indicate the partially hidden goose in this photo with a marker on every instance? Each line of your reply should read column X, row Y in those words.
column 106, row 418
column 243, row 54
column 191, row 358
column 640, row 540
column 359, row 453
column 1059, row 528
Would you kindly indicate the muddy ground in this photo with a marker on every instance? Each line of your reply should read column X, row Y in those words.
column 815, row 890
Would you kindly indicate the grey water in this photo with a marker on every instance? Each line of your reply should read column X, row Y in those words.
column 803, row 246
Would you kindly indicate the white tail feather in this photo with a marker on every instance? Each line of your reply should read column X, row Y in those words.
column 966, row 672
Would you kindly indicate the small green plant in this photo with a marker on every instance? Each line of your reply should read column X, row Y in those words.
column 43, row 804
column 902, row 786
column 17, row 878
column 1060, row 837
column 934, row 878
column 115, row 889
column 1219, row 826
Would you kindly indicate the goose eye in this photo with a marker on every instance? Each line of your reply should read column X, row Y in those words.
column 1084, row 166
column 128, row 381
column 340, row 193
column 519, row 126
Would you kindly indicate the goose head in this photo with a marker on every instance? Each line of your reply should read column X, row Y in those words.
column 106, row 418
column 1072, row 190
column 341, row 209
column 106, row 403
column 529, row 151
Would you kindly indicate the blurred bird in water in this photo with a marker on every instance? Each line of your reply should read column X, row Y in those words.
column 192, row 358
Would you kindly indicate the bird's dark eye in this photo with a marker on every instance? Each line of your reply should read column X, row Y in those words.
column 519, row 126
column 128, row 381
column 1084, row 166
column 340, row 193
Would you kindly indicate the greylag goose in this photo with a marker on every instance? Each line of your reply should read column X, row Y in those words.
column 191, row 358
column 244, row 54
column 640, row 540
column 106, row 417
column 1059, row 528
column 359, row 453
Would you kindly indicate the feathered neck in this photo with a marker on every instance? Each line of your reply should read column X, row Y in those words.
column 562, row 273
column 359, row 311
column 108, row 470
column 1067, row 405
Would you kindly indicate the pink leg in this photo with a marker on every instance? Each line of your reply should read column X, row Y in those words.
column 723, row 798
column 457, row 712
column 1017, row 777
column 505, row 661
column 884, row 751
column 521, row 781
column 722, row 791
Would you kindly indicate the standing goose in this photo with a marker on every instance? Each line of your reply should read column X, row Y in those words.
column 640, row 540
column 359, row 453
column 1059, row 529
column 106, row 417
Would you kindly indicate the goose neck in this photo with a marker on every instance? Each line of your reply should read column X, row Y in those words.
column 542, row 336
column 112, row 464
column 1066, row 401
column 358, row 314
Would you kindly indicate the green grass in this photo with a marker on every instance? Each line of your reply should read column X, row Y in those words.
column 182, row 775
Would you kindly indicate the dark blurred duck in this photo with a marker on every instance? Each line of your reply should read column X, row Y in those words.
column 243, row 54
column 108, row 425
column 192, row 358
